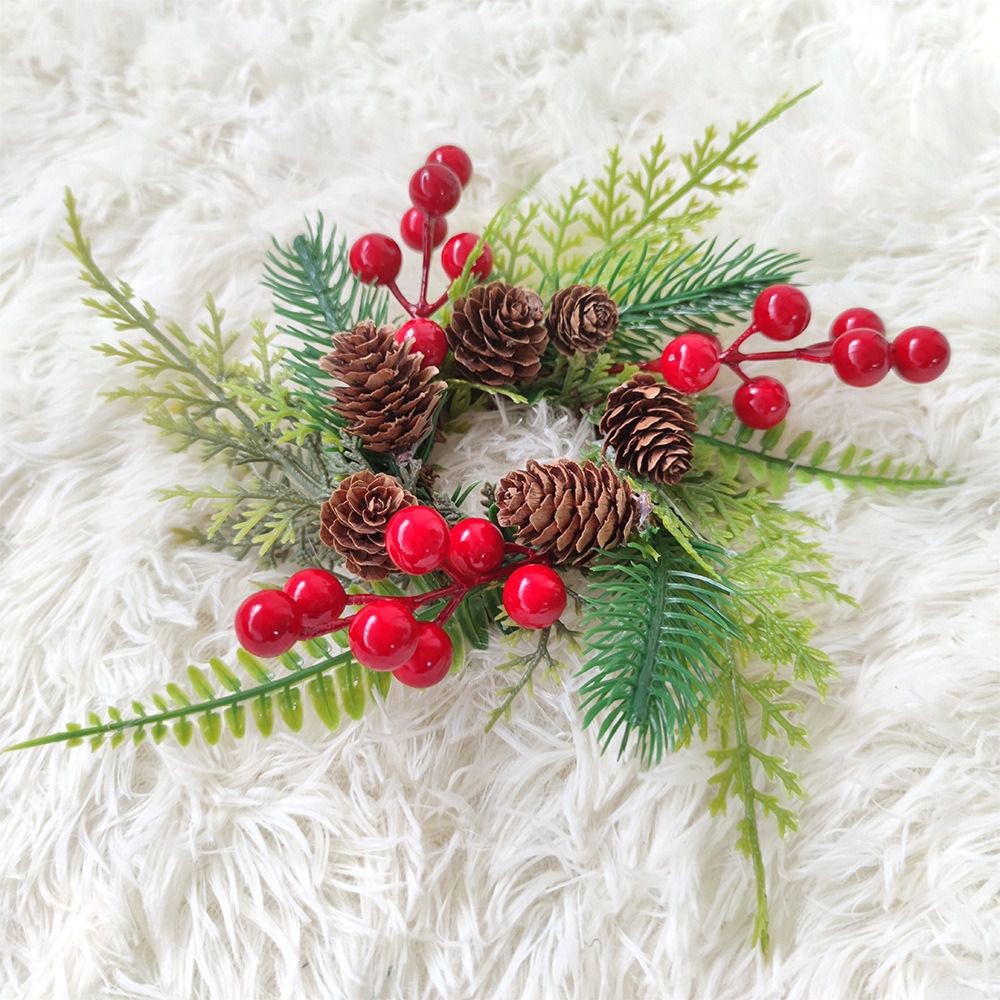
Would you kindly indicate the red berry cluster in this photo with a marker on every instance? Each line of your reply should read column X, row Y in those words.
column 435, row 189
column 385, row 634
column 856, row 349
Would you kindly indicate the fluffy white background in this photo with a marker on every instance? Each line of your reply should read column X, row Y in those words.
column 411, row 856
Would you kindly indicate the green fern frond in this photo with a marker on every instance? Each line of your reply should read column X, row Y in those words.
column 656, row 630
column 739, row 760
column 745, row 452
column 317, row 295
column 658, row 202
column 332, row 683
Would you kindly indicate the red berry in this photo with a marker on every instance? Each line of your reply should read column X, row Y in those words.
column 456, row 252
column 781, row 312
column 920, row 354
column 426, row 337
column 455, row 158
column 268, row 623
column 761, row 403
column 416, row 539
column 430, row 662
column 411, row 228
column 376, row 257
column 319, row 597
column 383, row 635
column 534, row 596
column 860, row 357
column 475, row 547
column 857, row 318
column 435, row 189
column 690, row 362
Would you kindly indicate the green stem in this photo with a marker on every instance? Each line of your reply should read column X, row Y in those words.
column 819, row 471
column 531, row 662
column 235, row 697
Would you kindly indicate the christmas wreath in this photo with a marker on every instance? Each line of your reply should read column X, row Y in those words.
column 688, row 574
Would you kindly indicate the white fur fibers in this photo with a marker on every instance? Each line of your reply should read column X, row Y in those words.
column 411, row 855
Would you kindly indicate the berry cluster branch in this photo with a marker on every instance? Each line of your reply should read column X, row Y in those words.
column 384, row 634
column 856, row 348
column 435, row 189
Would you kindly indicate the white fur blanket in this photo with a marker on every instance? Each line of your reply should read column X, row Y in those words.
column 411, row 855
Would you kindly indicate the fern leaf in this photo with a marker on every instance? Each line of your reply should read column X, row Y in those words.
column 211, row 709
column 756, row 455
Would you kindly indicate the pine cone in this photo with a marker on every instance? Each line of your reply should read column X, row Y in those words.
column 649, row 425
column 354, row 519
column 387, row 397
column 498, row 335
column 581, row 319
column 566, row 510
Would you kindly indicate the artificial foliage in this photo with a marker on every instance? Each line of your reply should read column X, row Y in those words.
column 691, row 579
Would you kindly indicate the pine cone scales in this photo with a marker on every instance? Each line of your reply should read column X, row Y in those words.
column 649, row 425
column 386, row 397
column 497, row 334
column 566, row 510
column 354, row 519
column 581, row 319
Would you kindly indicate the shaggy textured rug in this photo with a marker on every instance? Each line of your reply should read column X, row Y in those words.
column 411, row 855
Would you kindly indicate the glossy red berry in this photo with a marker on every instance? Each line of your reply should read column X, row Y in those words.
column 534, row 596
column 376, row 257
column 920, row 354
column 475, row 547
column 857, row 318
column 781, row 312
column 690, row 362
column 860, row 357
column 431, row 660
column 320, row 598
column 268, row 623
column 761, row 403
column 416, row 539
column 383, row 635
column 411, row 228
column 456, row 252
column 455, row 158
column 427, row 337
column 435, row 189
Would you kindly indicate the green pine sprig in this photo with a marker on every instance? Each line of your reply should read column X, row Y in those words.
column 656, row 627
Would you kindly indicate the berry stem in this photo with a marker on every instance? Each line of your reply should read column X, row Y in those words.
column 427, row 238
column 817, row 353
column 401, row 298
column 429, row 309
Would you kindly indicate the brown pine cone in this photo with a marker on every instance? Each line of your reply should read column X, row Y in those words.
column 387, row 397
column 354, row 519
column 497, row 334
column 582, row 319
column 649, row 425
column 566, row 510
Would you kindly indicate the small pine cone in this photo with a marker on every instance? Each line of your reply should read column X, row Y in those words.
column 497, row 333
column 649, row 425
column 565, row 510
column 354, row 519
column 387, row 397
column 581, row 319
